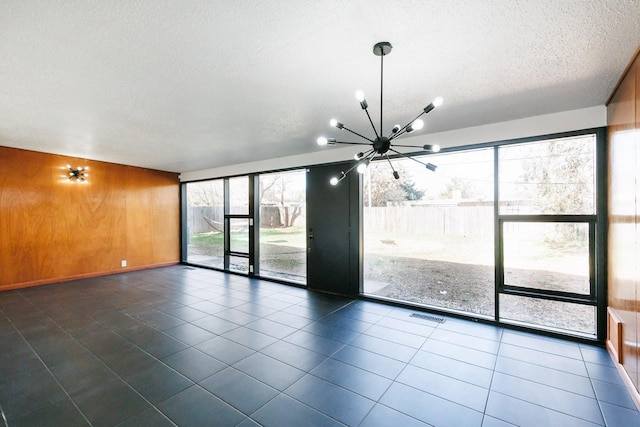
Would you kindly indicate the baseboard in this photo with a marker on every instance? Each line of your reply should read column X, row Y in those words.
column 51, row 280
column 633, row 392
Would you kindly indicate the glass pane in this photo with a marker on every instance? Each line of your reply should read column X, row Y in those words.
column 239, row 264
column 552, row 315
column 548, row 177
column 239, row 195
column 428, row 237
column 283, row 243
column 205, row 223
column 239, row 235
column 547, row 255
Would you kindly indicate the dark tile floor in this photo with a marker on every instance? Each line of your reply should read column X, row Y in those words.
column 193, row 347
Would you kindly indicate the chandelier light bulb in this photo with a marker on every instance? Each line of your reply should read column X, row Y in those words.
column 433, row 148
column 415, row 125
column 360, row 95
column 362, row 167
column 333, row 181
column 323, row 141
column 358, row 156
column 336, row 124
column 437, row 102
column 396, row 129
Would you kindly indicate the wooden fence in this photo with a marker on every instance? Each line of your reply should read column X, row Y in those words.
column 438, row 220
column 201, row 218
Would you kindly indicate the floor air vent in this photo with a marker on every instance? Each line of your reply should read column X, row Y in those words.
column 427, row 317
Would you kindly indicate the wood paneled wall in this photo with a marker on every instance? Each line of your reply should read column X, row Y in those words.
column 53, row 230
column 623, row 117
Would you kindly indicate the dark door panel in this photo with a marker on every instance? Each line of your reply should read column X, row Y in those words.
column 330, row 231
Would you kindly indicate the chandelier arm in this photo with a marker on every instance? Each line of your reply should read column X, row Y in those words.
column 355, row 166
column 367, row 154
column 408, row 157
column 372, row 154
column 410, row 146
column 403, row 130
column 386, row 156
column 356, row 133
column 372, row 125
column 351, row 143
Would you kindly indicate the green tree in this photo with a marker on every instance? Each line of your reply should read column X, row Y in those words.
column 381, row 188
column 457, row 187
column 558, row 178
column 411, row 192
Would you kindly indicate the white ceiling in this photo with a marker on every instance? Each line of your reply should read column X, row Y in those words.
column 189, row 85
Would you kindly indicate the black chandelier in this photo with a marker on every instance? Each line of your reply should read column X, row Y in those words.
column 382, row 145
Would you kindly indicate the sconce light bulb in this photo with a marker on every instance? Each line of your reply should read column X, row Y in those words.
column 333, row 181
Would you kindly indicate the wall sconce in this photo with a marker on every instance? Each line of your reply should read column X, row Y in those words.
column 77, row 175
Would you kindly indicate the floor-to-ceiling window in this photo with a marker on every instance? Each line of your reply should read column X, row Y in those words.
column 283, row 248
column 428, row 237
column 547, row 226
column 508, row 231
column 204, row 223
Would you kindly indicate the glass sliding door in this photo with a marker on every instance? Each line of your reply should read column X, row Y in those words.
column 429, row 237
column 205, row 223
column 282, row 228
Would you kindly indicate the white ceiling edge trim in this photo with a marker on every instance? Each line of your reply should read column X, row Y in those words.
column 565, row 121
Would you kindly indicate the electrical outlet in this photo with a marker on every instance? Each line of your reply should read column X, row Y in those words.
column 124, row 262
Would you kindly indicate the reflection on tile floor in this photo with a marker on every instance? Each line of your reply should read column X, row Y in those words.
column 186, row 346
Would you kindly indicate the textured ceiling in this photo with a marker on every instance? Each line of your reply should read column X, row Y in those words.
column 188, row 85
